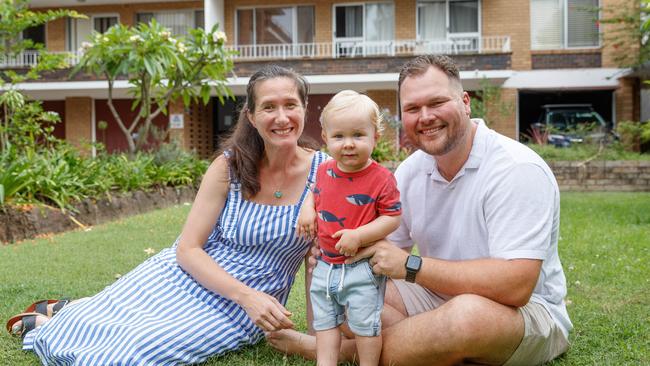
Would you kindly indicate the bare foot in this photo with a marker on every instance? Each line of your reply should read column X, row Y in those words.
column 293, row 342
column 16, row 328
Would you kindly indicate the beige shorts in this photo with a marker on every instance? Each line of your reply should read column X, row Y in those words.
column 543, row 340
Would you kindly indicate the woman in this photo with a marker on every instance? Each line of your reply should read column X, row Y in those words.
column 225, row 280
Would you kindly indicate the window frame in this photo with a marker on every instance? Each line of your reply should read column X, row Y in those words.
column 102, row 15
column 448, row 34
column 294, row 22
column 565, row 30
column 363, row 18
column 153, row 13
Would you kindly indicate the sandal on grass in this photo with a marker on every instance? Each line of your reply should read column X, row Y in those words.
column 28, row 323
column 42, row 307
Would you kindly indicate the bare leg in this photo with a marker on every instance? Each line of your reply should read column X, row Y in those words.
column 468, row 328
column 369, row 349
column 328, row 343
column 292, row 342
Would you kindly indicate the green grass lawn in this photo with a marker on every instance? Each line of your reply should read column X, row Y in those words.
column 604, row 247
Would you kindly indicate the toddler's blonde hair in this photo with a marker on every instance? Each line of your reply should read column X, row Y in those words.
column 348, row 99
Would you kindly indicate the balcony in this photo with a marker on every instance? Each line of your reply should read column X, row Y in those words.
column 360, row 48
column 338, row 49
column 28, row 59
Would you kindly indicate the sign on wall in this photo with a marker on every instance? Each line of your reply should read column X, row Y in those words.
column 176, row 121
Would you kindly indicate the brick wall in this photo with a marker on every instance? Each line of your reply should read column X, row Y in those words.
column 78, row 117
column 566, row 60
column 610, row 32
column 627, row 99
column 55, row 34
column 386, row 99
column 509, row 18
column 127, row 14
column 603, row 175
column 502, row 117
column 371, row 65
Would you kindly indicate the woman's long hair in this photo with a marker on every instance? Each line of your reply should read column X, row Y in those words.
column 245, row 145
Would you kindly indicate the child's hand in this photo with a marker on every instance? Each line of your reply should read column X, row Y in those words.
column 348, row 243
column 306, row 227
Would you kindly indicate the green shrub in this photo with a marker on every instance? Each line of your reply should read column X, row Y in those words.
column 385, row 150
column 633, row 134
column 61, row 176
column 579, row 152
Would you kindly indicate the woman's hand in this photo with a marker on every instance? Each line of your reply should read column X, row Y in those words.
column 306, row 227
column 266, row 311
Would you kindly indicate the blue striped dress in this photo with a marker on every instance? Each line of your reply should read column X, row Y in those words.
column 158, row 315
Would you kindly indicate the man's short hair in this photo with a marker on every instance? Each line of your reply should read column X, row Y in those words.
column 421, row 64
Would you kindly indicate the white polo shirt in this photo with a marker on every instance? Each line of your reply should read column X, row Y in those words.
column 503, row 203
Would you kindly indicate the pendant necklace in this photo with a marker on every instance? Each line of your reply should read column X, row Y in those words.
column 278, row 192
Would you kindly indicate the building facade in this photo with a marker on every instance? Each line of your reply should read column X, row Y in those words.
column 536, row 51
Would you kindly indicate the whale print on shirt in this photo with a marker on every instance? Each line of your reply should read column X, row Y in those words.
column 333, row 174
column 359, row 199
column 330, row 217
column 394, row 208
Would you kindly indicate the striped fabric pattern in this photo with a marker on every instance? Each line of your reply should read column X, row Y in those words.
column 158, row 315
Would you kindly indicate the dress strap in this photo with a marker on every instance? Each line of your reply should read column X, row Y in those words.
column 231, row 213
column 235, row 185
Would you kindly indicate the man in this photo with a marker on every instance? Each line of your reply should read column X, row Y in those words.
column 484, row 212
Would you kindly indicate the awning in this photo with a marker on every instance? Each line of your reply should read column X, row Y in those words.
column 566, row 79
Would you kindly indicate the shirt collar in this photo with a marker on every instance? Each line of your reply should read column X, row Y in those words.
column 475, row 155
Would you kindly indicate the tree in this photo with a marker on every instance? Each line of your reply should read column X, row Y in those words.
column 488, row 103
column 23, row 121
column 628, row 32
column 159, row 67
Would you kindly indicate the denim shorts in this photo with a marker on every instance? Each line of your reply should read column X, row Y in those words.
column 352, row 288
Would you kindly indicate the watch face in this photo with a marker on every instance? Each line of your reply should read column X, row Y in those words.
column 413, row 262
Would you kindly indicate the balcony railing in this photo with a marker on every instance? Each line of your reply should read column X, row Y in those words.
column 338, row 49
column 344, row 48
column 27, row 59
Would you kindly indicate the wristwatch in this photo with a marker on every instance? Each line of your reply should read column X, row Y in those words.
column 413, row 264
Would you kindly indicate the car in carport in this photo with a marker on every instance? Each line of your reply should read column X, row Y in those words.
column 566, row 124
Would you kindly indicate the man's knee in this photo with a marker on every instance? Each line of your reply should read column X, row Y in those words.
column 472, row 318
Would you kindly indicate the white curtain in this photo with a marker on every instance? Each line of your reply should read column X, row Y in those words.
column 582, row 26
column 432, row 20
column 179, row 23
column 380, row 24
column 463, row 16
column 353, row 21
column 546, row 24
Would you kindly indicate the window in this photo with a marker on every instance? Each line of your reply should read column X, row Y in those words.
column 36, row 34
column 275, row 25
column 363, row 29
column 178, row 22
column 101, row 24
column 79, row 30
column 557, row 24
column 369, row 22
column 440, row 20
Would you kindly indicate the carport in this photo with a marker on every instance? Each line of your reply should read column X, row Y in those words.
column 564, row 86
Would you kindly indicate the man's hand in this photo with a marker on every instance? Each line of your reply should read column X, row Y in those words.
column 385, row 259
column 314, row 252
column 348, row 243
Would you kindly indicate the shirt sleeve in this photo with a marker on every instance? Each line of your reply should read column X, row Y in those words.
column 388, row 202
column 402, row 236
column 519, row 210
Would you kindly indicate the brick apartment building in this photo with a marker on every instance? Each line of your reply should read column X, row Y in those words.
column 538, row 52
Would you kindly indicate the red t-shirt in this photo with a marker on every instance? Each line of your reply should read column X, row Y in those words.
column 349, row 200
